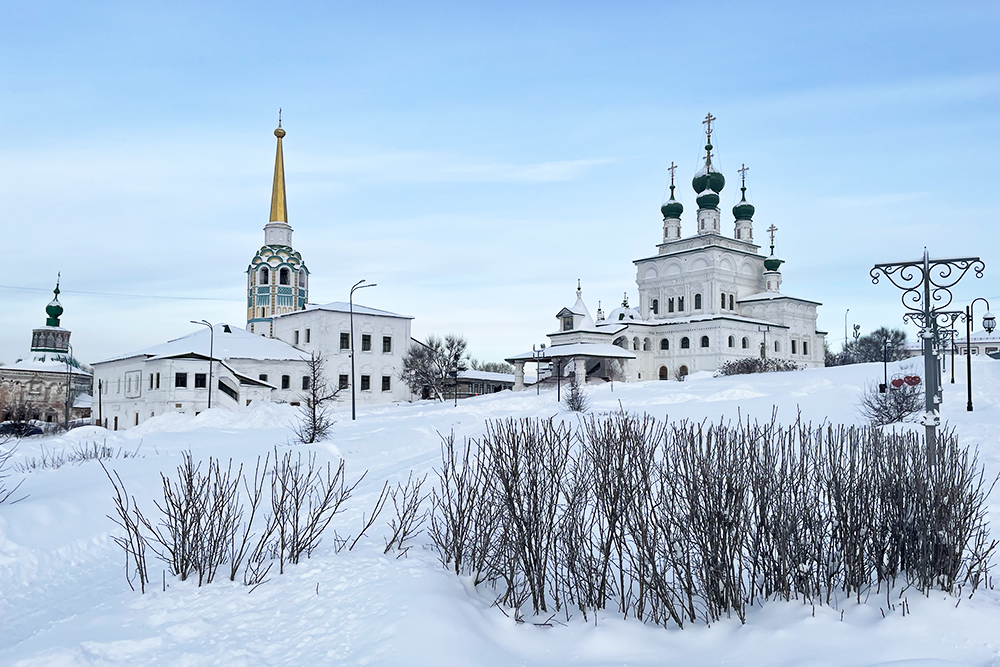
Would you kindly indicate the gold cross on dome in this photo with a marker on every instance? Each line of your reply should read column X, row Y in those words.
column 672, row 168
column 772, row 229
column 708, row 125
column 743, row 173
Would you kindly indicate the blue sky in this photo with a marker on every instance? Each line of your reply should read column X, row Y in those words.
column 475, row 161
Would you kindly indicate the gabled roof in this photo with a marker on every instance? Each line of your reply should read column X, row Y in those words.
column 345, row 307
column 774, row 296
column 231, row 342
column 604, row 350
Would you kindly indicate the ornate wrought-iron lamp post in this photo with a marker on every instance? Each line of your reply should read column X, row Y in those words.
column 926, row 285
column 350, row 299
column 989, row 323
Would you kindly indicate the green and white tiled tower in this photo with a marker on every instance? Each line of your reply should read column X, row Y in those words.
column 277, row 278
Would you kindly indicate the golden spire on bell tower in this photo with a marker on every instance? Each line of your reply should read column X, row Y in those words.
column 279, row 211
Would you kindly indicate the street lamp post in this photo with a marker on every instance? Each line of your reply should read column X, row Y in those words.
column 454, row 377
column 357, row 286
column 211, row 354
column 69, row 376
column 989, row 323
column 846, row 313
column 927, row 283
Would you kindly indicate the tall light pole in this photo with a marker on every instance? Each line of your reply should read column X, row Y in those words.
column 350, row 299
column 69, row 375
column 211, row 355
column 989, row 323
column 846, row 313
column 926, row 285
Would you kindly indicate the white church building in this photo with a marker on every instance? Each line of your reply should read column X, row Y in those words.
column 230, row 367
column 703, row 300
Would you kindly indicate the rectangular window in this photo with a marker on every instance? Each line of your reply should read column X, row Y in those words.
column 366, row 342
column 670, row 305
column 200, row 380
column 262, row 377
column 794, row 347
column 386, row 344
column 805, row 347
column 296, row 337
column 305, row 382
column 308, row 335
column 157, row 380
column 180, row 379
column 731, row 302
column 343, row 381
column 345, row 341
column 680, row 304
column 150, row 380
column 723, row 300
column 386, row 383
column 286, row 381
column 366, row 382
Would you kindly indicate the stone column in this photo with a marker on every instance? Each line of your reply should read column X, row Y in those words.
column 580, row 368
column 518, row 376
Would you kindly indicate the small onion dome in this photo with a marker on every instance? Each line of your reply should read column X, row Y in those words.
column 672, row 208
column 708, row 199
column 772, row 263
column 708, row 179
column 279, row 132
column 744, row 210
column 54, row 309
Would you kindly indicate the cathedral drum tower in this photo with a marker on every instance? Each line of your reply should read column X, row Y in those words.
column 277, row 278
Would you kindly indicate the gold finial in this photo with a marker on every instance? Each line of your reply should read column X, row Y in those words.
column 279, row 211
column 579, row 291
column 708, row 125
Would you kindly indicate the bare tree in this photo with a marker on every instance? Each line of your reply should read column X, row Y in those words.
column 315, row 421
column 427, row 367
column 5, row 493
column 576, row 398
column 892, row 406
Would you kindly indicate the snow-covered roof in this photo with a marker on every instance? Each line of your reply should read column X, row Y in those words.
column 345, row 307
column 44, row 362
column 231, row 342
column 486, row 376
column 83, row 401
column 605, row 350
column 770, row 296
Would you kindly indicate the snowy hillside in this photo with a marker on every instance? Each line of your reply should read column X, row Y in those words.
column 64, row 599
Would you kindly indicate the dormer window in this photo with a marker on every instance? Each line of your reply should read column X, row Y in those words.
column 567, row 323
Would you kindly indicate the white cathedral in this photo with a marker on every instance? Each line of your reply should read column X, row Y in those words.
column 703, row 300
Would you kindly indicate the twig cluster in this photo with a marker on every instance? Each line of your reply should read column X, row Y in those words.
column 81, row 453
column 682, row 523
column 749, row 365
column 892, row 406
column 7, row 493
column 224, row 518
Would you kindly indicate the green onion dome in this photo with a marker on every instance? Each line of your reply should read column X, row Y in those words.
column 744, row 210
column 708, row 199
column 708, row 178
column 772, row 263
column 54, row 310
column 672, row 208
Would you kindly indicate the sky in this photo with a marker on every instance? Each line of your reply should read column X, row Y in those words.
column 475, row 161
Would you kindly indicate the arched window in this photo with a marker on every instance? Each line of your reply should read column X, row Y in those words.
column 685, row 343
column 265, row 275
column 664, row 344
column 664, row 373
column 303, row 282
column 682, row 371
column 697, row 302
column 635, row 343
column 731, row 307
column 704, row 341
column 647, row 345
column 746, row 343
column 732, row 341
column 655, row 307
column 777, row 346
column 680, row 304
column 622, row 342
column 284, row 277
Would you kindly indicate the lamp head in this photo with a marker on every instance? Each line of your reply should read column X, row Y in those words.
column 989, row 322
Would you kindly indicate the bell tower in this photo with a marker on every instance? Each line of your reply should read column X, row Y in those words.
column 277, row 278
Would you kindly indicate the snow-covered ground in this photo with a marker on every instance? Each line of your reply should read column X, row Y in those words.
column 64, row 600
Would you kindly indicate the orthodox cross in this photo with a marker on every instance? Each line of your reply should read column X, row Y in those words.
column 672, row 168
column 743, row 173
column 279, row 116
column 708, row 123
column 772, row 229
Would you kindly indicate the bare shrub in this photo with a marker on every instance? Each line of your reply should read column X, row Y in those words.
column 749, row 365
column 408, row 520
column 133, row 543
column 315, row 422
column 893, row 406
column 697, row 522
column 5, row 493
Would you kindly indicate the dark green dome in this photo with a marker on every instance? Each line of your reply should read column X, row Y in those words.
column 672, row 208
column 772, row 263
column 54, row 309
column 744, row 210
column 708, row 199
